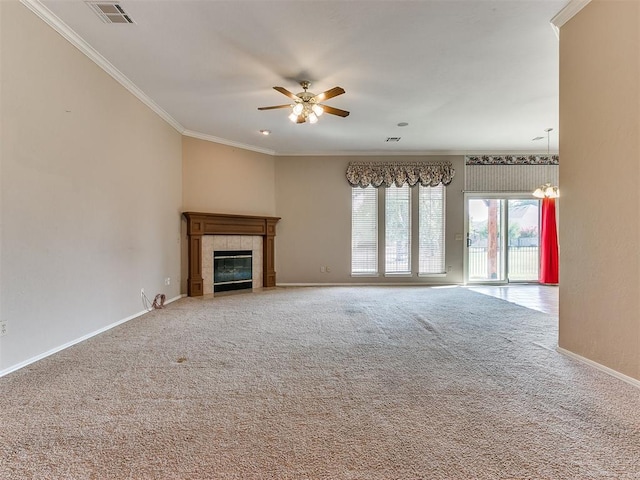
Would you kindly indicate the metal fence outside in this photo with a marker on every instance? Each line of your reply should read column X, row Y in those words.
column 523, row 263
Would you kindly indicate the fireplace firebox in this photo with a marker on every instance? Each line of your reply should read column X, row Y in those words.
column 232, row 270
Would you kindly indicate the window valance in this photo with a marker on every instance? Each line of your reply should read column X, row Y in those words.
column 378, row 174
column 511, row 160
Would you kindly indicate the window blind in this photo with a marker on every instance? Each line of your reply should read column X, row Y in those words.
column 431, row 230
column 398, row 229
column 364, row 230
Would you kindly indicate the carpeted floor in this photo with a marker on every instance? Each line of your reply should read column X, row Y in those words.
column 321, row 383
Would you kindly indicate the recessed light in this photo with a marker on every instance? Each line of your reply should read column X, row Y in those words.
column 265, row 132
column 403, row 124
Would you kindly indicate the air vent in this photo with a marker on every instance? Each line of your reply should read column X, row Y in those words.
column 392, row 139
column 110, row 12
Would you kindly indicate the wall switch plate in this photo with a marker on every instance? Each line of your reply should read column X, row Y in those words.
column 323, row 269
column 3, row 328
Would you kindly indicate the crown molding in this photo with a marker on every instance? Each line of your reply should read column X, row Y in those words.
column 566, row 14
column 211, row 138
column 72, row 37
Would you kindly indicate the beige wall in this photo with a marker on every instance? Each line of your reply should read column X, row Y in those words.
column 600, row 178
column 218, row 178
column 91, row 194
column 222, row 179
column 314, row 200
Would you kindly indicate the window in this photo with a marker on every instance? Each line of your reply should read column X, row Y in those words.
column 431, row 231
column 397, row 207
column 364, row 230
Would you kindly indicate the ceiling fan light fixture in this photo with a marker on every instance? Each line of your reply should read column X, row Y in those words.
column 297, row 109
column 306, row 106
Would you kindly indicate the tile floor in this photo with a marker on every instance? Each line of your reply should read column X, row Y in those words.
column 543, row 298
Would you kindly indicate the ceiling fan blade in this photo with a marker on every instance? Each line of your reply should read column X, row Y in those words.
column 286, row 92
column 335, row 111
column 275, row 106
column 334, row 92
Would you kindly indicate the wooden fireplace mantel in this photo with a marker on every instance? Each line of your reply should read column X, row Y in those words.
column 199, row 224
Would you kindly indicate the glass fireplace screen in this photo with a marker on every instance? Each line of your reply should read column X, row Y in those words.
column 232, row 270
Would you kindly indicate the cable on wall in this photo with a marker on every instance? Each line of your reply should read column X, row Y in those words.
column 158, row 302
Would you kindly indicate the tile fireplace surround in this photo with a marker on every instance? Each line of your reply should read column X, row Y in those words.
column 216, row 243
column 238, row 229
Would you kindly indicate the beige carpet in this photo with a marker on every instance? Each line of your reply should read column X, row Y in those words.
column 321, row 383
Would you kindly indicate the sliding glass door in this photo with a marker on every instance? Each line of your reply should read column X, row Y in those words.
column 523, row 243
column 485, row 240
column 502, row 239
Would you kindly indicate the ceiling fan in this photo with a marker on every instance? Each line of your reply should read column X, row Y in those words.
column 307, row 106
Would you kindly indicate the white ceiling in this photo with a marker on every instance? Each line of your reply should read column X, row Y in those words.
column 469, row 76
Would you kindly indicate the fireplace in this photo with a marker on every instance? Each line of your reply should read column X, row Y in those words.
column 232, row 270
column 202, row 226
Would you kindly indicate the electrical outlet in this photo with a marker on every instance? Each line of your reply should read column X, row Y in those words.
column 167, row 281
column 3, row 328
column 449, row 268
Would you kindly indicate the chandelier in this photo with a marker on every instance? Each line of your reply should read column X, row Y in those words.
column 546, row 191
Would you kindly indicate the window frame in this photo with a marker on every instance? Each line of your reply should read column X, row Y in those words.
column 399, row 196
column 414, row 237
column 374, row 203
column 442, row 227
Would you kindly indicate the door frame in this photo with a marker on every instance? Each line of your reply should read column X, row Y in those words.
column 504, row 238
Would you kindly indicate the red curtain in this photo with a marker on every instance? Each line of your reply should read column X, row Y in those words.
column 549, row 242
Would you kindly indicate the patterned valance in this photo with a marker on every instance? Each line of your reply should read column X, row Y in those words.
column 511, row 160
column 427, row 174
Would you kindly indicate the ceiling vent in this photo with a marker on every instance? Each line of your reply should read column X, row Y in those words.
column 392, row 139
column 110, row 12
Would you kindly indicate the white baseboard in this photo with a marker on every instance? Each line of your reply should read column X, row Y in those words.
column 178, row 297
column 602, row 368
column 31, row 360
